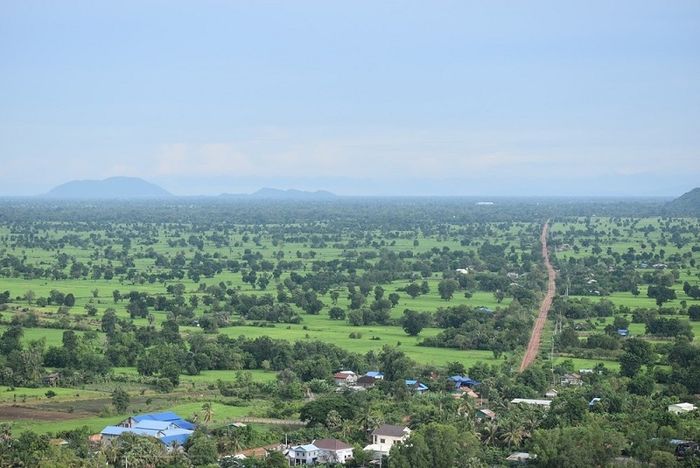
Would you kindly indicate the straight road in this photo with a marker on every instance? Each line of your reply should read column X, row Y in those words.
column 533, row 347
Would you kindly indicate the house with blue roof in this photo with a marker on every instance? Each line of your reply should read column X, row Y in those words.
column 166, row 416
column 303, row 454
column 416, row 386
column 169, row 428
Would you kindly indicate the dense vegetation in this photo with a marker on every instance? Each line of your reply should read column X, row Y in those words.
column 223, row 309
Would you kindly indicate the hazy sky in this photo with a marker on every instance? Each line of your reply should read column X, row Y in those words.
column 375, row 97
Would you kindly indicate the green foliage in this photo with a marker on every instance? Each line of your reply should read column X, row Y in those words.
column 201, row 449
column 573, row 447
column 120, row 400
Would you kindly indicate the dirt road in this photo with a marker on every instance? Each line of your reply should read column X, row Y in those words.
column 533, row 346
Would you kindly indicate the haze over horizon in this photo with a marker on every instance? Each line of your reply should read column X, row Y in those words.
column 411, row 98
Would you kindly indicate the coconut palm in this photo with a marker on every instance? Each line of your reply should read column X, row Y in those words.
column 466, row 406
column 512, row 434
column 208, row 412
column 489, row 432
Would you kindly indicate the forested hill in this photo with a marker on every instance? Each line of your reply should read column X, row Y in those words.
column 688, row 203
column 111, row 188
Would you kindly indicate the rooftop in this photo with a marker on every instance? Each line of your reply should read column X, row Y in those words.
column 331, row 444
column 391, row 431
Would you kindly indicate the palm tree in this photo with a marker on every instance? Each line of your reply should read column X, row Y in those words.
column 513, row 434
column 467, row 406
column 208, row 412
column 489, row 432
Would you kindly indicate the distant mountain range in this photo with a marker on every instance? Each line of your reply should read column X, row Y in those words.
column 112, row 187
column 136, row 188
column 688, row 203
column 277, row 194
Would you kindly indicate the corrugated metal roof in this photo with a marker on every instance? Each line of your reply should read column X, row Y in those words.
column 153, row 424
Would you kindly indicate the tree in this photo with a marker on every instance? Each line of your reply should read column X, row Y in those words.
column 120, row 400
column 208, row 412
column 412, row 290
column 641, row 384
column 109, row 321
column 413, row 322
column 456, row 368
column 394, row 363
column 512, row 434
column 694, row 313
column 447, row 288
column 29, row 296
column 336, row 313
column 574, row 447
column 637, row 353
column 131, row 450
column 378, row 293
column 414, row 453
column 90, row 310
column 394, row 299
column 69, row 300
column 662, row 294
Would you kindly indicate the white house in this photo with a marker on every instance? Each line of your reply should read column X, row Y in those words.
column 529, row 401
column 303, row 455
column 333, row 450
column 680, row 408
column 385, row 436
column 345, row 378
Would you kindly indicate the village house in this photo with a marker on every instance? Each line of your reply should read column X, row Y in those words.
column 460, row 392
column 530, row 401
column 484, row 414
column 416, row 386
column 551, row 393
column 303, row 454
column 571, row 379
column 171, row 430
column 52, row 379
column 680, row 408
column 385, row 436
column 521, row 457
column 333, row 450
column 166, row 416
column 345, row 378
column 366, row 381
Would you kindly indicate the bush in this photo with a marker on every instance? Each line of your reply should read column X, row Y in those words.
column 164, row 385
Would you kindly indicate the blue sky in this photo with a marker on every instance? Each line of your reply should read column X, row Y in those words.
column 372, row 98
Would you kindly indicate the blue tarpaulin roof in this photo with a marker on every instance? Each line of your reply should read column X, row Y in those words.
column 461, row 380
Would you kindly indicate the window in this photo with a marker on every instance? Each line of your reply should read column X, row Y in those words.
column 383, row 441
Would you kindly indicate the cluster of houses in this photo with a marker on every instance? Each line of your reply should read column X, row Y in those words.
column 347, row 379
column 319, row 451
column 169, row 428
column 336, row 451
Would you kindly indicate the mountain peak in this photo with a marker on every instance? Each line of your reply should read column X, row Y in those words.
column 688, row 203
column 112, row 187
